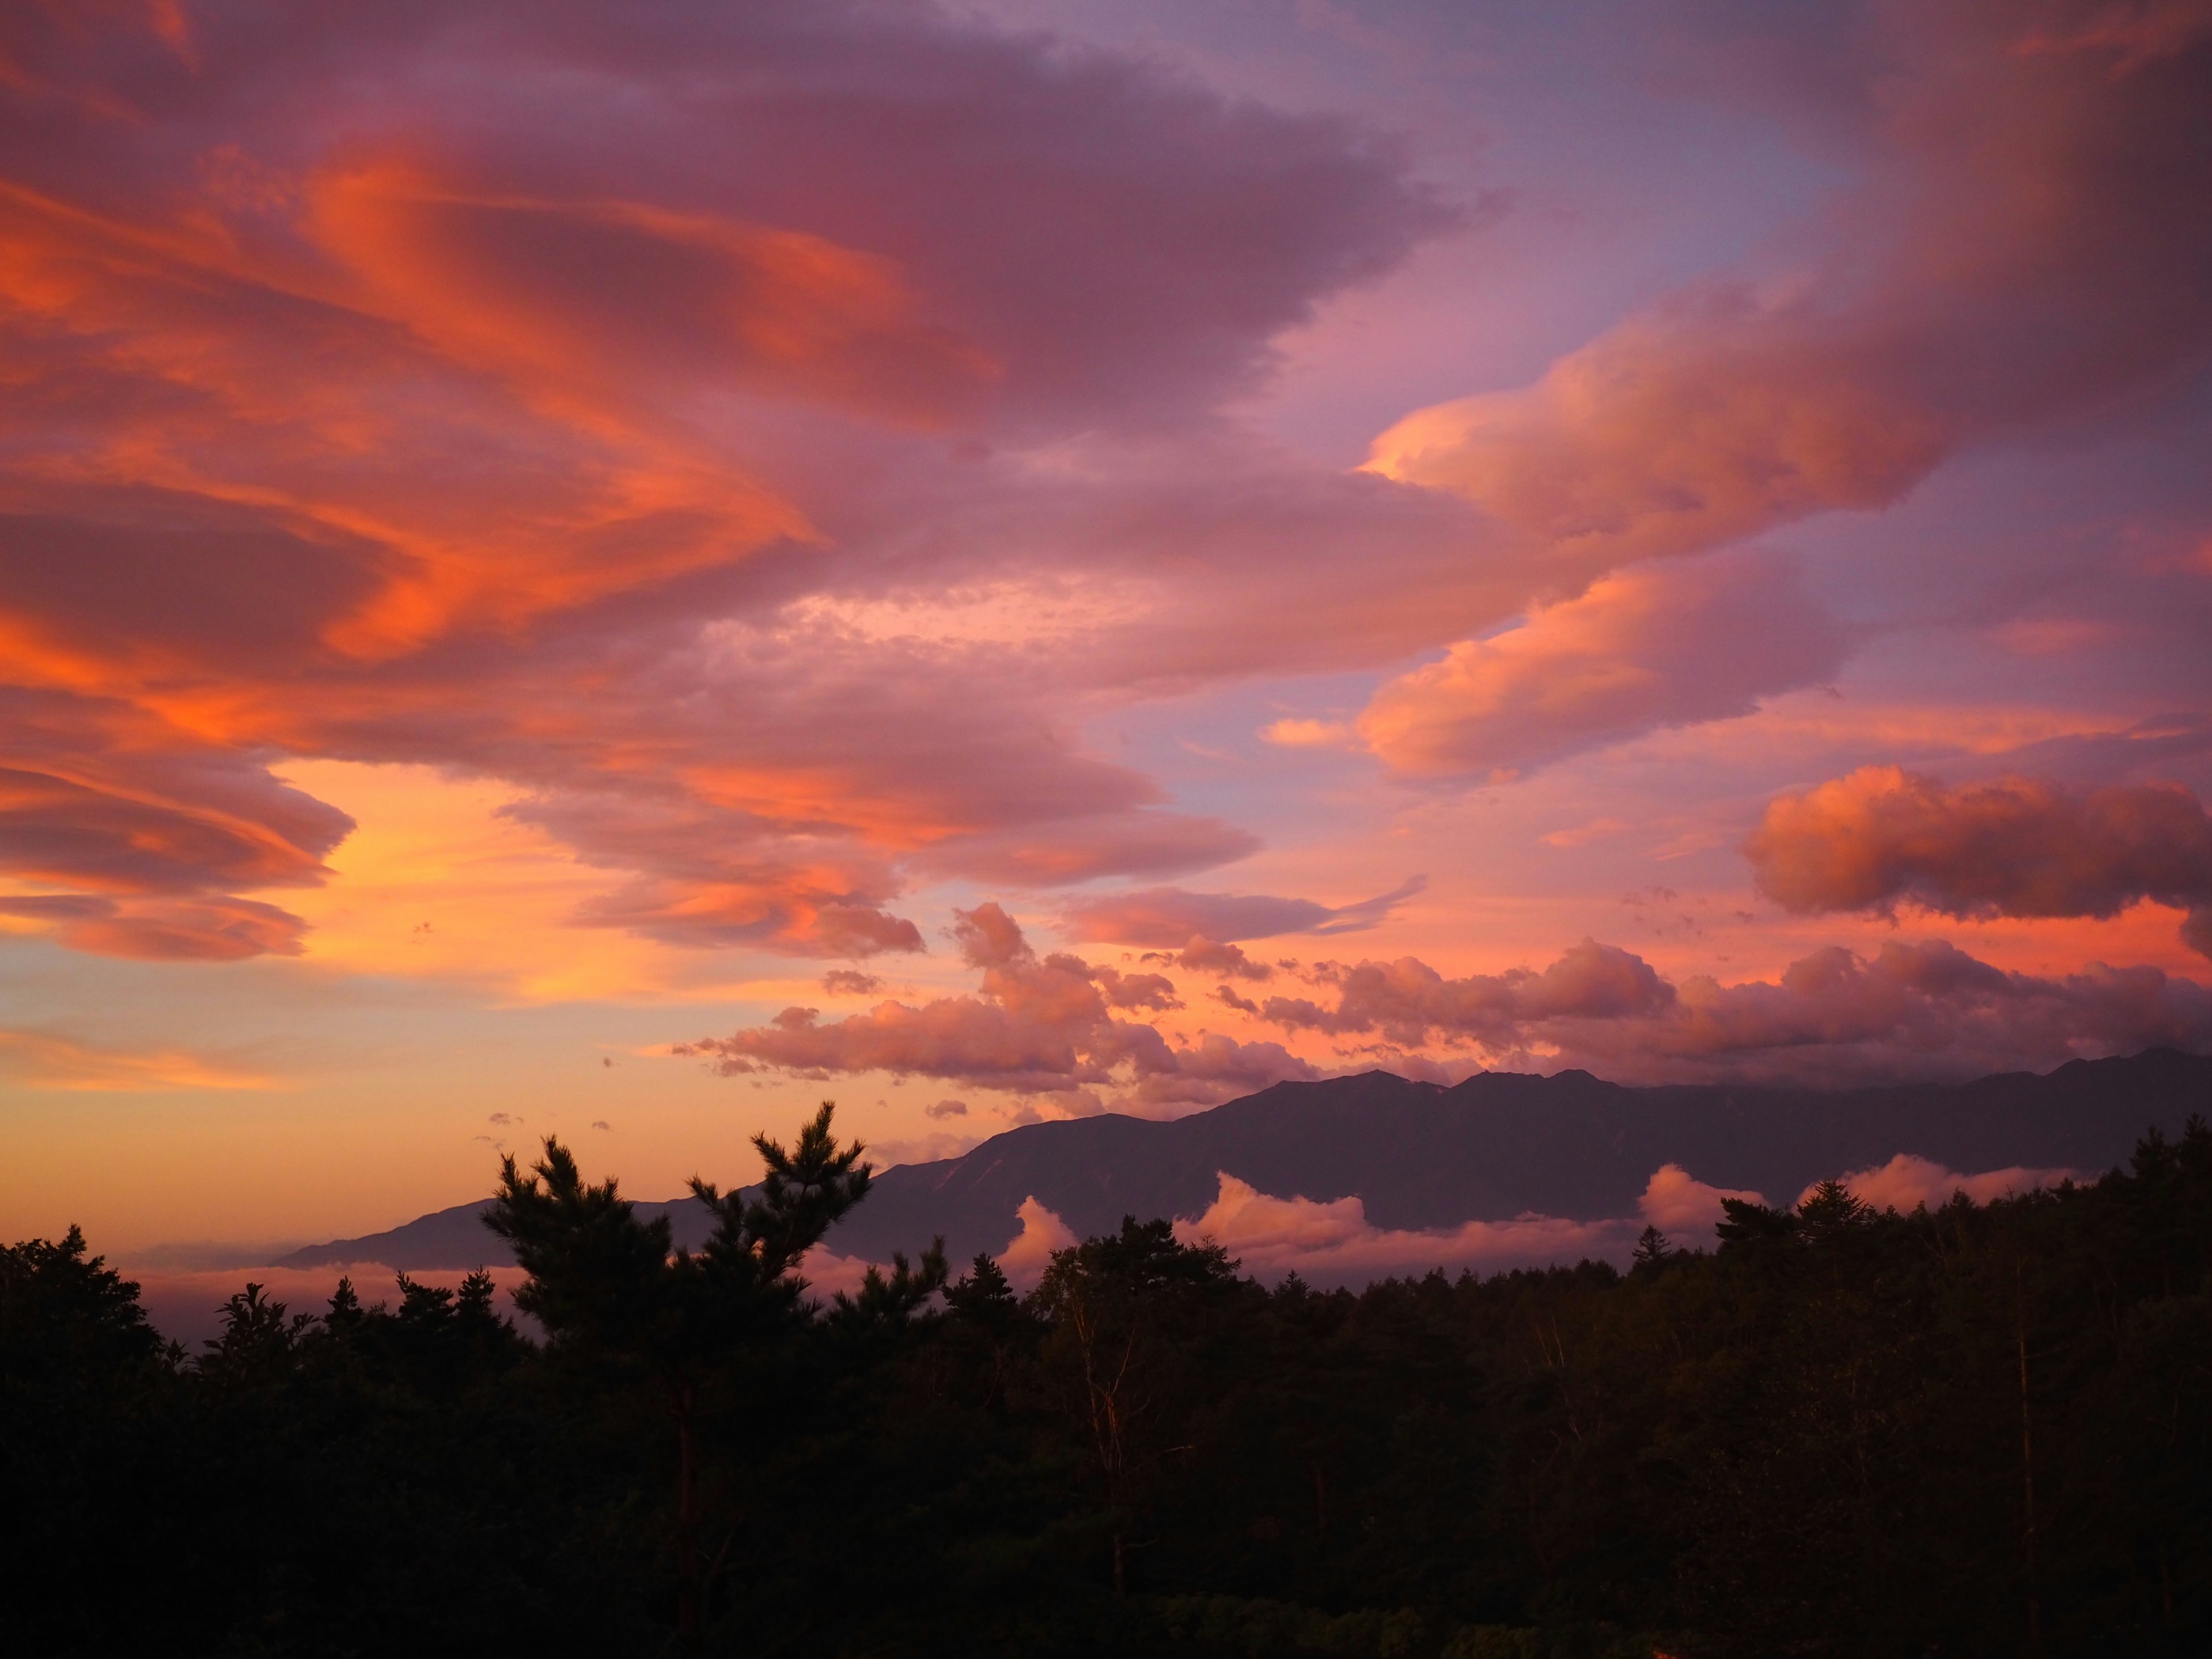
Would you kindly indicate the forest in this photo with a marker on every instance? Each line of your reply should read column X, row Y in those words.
column 1980, row 1430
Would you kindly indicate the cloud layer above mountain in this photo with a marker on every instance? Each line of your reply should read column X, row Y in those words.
column 1049, row 1026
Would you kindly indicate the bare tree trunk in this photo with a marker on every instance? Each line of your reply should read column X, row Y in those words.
column 1121, row 1568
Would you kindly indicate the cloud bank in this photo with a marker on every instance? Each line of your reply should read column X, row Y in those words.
column 1048, row 1025
column 1832, row 1017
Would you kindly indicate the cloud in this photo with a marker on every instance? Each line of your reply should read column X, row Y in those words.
column 849, row 982
column 164, row 930
column 1030, row 1251
column 1292, row 734
column 400, row 431
column 1907, row 1181
column 2016, row 847
column 1333, row 1243
column 2017, row 251
column 1407, row 1002
column 1946, row 299
column 1173, row 917
column 1911, row 1011
column 930, row 1148
column 1685, row 1208
column 534, row 285
column 46, row 1059
column 946, row 1108
column 1640, row 649
column 1039, row 1025
column 1206, row 956
column 1043, row 853
column 135, row 828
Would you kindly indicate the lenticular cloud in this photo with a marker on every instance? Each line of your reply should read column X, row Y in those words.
column 349, row 419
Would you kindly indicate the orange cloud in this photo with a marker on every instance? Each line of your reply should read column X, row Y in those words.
column 2017, row 847
column 1640, row 649
column 38, row 1060
column 557, row 288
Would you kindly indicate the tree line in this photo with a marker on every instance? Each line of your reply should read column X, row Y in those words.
column 1983, row 1429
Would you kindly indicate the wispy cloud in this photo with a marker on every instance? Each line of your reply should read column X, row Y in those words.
column 42, row 1060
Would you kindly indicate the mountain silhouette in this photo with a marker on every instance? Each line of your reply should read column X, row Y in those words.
column 1420, row 1154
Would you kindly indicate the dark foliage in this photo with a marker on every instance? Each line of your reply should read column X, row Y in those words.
column 1984, row 1430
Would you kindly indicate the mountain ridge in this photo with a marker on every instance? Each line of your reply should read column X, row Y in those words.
column 1420, row 1156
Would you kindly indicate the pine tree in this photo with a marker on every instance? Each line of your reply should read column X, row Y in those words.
column 609, row 1286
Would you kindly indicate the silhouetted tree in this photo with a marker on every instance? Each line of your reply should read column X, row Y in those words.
column 608, row 1285
column 1122, row 1311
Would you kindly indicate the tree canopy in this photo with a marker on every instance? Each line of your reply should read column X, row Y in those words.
column 1983, row 1429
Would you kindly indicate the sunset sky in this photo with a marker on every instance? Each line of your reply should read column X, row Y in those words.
column 618, row 570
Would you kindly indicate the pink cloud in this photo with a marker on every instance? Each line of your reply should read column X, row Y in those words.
column 1685, row 1208
column 1641, row 649
column 1947, row 299
column 1833, row 1018
column 1039, row 1024
column 2016, row 847
column 1907, row 1181
column 1334, row 1243
column 1030, row 1251
column 1407, row 1002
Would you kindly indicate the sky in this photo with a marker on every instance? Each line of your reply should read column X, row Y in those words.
column 618, row 572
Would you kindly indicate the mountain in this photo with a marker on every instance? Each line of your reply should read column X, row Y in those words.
column 458, row 1238
column 1419, row 1155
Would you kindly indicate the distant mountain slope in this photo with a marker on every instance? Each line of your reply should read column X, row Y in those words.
column 1422, row 1156
column 458, row 1238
